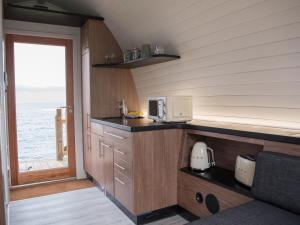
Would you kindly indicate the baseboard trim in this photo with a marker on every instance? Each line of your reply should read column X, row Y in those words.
column 156, row 215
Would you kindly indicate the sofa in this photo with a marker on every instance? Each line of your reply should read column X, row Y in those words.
column 276, row 190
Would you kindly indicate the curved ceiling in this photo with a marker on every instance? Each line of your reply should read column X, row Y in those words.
column 133, row 22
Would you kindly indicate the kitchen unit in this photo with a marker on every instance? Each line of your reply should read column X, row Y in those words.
column 98, row 98
column 145, row 165
column 138, row 169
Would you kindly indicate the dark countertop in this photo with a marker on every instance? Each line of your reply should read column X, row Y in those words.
column 143, row 124
column 137, row 125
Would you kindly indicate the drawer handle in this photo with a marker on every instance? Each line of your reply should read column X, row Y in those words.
column 88, row 142
column 118, row 180
column 88, row 118
column 120, row 152
column 121, row 167
column 105, row 145
column 114, row 135
column 101, row 151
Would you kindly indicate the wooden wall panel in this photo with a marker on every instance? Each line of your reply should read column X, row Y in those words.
column 189, row 185
column 115, row 85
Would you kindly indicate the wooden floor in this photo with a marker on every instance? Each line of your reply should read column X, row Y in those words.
column 81, row 207
column 48, row 189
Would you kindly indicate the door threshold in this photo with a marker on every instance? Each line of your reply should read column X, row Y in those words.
column 42, row 183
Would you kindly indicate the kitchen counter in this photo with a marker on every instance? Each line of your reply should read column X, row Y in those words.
column 137, row 125
column 257, row 132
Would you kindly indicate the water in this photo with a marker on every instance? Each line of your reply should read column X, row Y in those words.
column 36, row 131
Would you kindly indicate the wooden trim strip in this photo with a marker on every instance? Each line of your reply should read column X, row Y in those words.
column 11, row 110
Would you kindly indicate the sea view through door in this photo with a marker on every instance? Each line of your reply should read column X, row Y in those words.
column 40, row 104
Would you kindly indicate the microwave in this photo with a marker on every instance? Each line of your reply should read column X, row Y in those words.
column 170, row 108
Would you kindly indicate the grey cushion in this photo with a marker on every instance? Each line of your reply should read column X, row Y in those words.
column 252, row 213
column 277, row 180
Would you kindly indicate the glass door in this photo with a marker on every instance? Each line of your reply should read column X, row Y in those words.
column 40, row 102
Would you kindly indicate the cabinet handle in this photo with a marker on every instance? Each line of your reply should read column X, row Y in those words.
column 121, row 167
column 121, row 182
column 99, row 148
column 88, row 121
column 105, row 145
column 114, row 135
column 88, row 142
column 120, row 152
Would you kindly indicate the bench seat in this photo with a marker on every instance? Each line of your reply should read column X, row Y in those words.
column 252, row 213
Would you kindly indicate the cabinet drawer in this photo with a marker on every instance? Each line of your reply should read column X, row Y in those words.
column 118, row 136
column 122, row 166
column 123, row 190
column 123, row 152
column 97, row 128
column 189, row 186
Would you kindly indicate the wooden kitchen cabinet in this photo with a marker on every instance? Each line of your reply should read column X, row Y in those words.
column 86, row 110
column 102, row 89
column 145, row 167
column 97, row 158
column 87, row 153
column 107, row 167
column 101, row 159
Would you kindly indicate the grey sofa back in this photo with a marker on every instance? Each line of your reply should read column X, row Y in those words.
column 277, row 180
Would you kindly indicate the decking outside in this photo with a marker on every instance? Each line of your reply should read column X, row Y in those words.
column 61, row 147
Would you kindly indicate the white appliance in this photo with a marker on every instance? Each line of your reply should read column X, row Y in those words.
column 245, row 169
column 202, row 157
column 170, row 108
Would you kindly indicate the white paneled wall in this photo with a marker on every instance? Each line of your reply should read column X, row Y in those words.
column 240, row 60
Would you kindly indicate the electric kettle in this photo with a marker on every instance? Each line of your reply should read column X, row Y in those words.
column 202, row 157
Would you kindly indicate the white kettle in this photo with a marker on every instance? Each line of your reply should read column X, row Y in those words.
column 202, row 157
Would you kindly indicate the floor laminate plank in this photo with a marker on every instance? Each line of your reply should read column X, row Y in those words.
column 48, row 189
column 87, row 206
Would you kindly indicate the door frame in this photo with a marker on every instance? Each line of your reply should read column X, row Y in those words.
column 49, row 174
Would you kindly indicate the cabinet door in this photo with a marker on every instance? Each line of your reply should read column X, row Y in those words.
column 84, row 38
column 108, row 167
column 97, row 159
column 87, row 155
column 86, row 111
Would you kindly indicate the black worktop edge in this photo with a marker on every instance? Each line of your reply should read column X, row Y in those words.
column 248, row 134
column 238, row 188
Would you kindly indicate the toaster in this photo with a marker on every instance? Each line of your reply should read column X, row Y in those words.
column 245, row 169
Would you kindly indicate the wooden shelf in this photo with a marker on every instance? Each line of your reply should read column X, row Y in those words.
column 222, row 177
column 155, row 59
